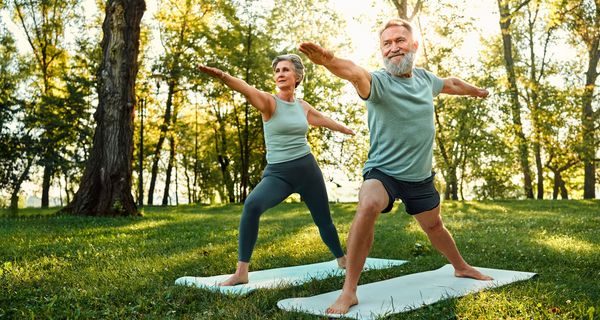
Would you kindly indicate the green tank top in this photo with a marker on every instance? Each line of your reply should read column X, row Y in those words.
column 285, row 132
column 400, row 114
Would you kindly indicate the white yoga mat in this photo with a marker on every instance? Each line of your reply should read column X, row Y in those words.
column 404, row 293
column 272, row 278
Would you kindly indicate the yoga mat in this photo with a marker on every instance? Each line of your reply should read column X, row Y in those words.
column 404, row 293
column 273, row 278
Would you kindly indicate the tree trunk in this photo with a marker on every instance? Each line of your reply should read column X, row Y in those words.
column 165, row 200
column 539, row 169
column 14, row 196
column 161, row 139
column 505, row 21
column 46, row 184
column 105, row 188
column 227, row 191
column 589, row 143
column 196, row 160
column 453, row 184
column 244, row 143
column 402, row 7
column 559, row 186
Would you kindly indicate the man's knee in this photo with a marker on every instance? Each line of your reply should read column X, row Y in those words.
column 369, row 208
column 434, row 226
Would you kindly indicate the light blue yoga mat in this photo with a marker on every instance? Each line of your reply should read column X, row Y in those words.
column 404, row 293
column 273, row 278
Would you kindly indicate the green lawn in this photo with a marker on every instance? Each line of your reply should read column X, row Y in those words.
column 124, row 268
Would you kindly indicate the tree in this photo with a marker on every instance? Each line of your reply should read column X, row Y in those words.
column 508, row 9
column 582, row 18
column 183, row 26
column 459, row 121
column 18, row 149
column 534, row 87
column 105, row 188
column 44, row 22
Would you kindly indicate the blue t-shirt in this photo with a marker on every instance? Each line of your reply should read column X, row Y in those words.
column 400, row 116
column 285, row 132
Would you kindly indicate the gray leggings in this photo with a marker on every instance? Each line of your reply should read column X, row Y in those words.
column 279, row 180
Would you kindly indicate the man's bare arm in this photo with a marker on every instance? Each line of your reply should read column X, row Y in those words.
column 345, row 69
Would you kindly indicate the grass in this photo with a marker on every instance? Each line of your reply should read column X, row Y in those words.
column 57, row 266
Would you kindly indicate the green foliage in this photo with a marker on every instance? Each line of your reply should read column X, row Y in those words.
column 9, row 81
column 56, row 266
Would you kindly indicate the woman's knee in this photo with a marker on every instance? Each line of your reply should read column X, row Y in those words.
column 252, row 208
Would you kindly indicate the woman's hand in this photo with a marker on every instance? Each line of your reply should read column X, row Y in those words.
column 213, row 72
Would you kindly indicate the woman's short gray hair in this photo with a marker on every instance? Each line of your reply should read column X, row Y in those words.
column 295, row 60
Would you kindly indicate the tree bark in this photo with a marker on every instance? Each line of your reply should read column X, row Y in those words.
column 402, row 7
column 165, row 200
column 588, row 119
column 105, row 188
column 46, row 181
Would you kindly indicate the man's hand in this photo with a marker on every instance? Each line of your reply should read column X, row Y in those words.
column 316, row 53
column 482, row 93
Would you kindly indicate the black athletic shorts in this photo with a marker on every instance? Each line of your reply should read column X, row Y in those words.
column 417, row 196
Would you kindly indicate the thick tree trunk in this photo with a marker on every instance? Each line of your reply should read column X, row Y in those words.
column 505, row 21
column 105, row 188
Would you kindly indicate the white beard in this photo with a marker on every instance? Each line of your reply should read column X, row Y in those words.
column 404, row 66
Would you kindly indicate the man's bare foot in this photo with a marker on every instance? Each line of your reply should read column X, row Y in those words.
column 235, row 279
column 470, row 272
column 343, row 303
column 342, row 262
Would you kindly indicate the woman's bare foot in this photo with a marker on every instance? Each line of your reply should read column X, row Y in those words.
column 239, row 277
column 470, row 272
column 235, row 279
column 342, row 262
column 343, row 303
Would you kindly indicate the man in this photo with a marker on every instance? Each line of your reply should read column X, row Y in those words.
column 400, row 114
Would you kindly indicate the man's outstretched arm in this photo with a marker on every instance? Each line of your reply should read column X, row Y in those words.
column 462, row 88
column 345, row 69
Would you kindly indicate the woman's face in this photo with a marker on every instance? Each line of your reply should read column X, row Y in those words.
column 285, row 75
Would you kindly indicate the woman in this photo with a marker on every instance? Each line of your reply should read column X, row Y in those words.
column 291, row 168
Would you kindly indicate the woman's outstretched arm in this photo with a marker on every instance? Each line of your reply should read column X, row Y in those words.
column 261, row 100
column 318, row 119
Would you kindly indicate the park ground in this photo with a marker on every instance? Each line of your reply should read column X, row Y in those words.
column 59, row 266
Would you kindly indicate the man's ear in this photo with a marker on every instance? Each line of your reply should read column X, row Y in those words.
column 415, row 45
